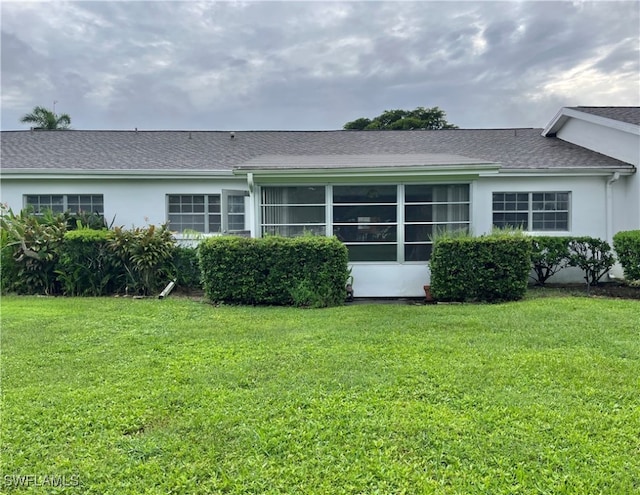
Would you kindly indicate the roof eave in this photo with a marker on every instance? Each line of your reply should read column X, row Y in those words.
column 569, row 171
column 566, row 113
column 20, row 173
column 462, row 169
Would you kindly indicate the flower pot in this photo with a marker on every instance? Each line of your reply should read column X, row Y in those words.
column 428, row 296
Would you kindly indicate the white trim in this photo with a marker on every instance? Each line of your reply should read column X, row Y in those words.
column 567, row 172
column 65, row 174
column 367, row 172
column 400, row 205
column 566, row 113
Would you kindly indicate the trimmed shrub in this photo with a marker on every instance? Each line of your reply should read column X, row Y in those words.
column 187, row 268
column 593, row 256
column 490, row 268
column 303, row 271
column 87, row 267
column 627, row 246
column 8, row 264
column 549, row 255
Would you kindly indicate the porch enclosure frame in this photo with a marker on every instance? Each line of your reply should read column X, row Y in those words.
column 387, row 222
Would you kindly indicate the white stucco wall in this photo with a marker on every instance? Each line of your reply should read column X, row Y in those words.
column 606, row 140
column 627, row 203
column 588, row 201
column 137, row 202
column 389, row 279
column 131, row 202
column 592, row 213
column 588, row 217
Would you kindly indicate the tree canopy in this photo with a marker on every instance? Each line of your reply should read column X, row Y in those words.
column 403, row 120
column 44, row 118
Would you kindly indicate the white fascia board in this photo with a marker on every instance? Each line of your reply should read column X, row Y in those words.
column 556, row 122
column 566, row 113
column 330, row 173
column 566, row 172
column 74, row 174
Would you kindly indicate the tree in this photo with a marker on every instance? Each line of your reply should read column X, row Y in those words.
column 44, row 118
column 403, row 120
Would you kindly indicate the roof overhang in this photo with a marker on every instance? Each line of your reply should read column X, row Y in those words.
column 565, row 113
column 340, row 166
column 77, row 174
column 568, row 172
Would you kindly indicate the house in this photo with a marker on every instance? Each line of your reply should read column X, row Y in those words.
column 383, row 193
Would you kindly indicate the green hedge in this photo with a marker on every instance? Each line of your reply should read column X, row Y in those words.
column 304, row 271
column 489, row 268
column 627, row 247
column 187, row 268
column 87, row 265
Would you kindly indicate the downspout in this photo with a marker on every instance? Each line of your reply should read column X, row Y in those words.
column 609, row 198
column 253, row 228
column 250, row 181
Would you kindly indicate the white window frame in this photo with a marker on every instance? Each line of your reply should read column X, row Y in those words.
column 531, row 212
column 39, row 209
column 400, row 224
column 224, row 213
column 371, row 231
column 283, row 219
column 446, row 224
column 226, row 207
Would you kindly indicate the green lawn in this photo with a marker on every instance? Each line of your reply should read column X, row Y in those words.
column 119, row 396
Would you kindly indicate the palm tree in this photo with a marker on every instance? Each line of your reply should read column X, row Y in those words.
column 46, row 119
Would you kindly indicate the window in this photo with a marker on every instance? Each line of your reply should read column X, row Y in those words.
column 233, row 207
column 204, row 212
column 292, row 211
column 235, row 213
column 376, row 222
column 60, row 203
column 430, row 209
column 365, row 218
column 532, row 211
column 197, row 212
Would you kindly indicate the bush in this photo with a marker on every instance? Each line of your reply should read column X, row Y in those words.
column 43, row 254
column 303, row 271
column 8, row 265
column 187, row 268
column 593, row 256
column 30, row 251
column 87, row 267
column 627, row 247
column 85, row 220
column 490, row 268
column 144, row 257
column 549, row 255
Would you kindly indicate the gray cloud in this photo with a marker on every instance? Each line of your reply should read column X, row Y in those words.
column 314, row 65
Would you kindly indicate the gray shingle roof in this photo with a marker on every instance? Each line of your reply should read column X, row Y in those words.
column 630, row 115
column 215, row 150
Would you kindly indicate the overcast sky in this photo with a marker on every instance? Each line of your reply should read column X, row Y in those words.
column 314, row 65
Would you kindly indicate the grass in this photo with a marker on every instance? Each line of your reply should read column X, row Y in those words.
column 118, row 396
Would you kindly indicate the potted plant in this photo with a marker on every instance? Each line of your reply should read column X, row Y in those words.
column 427, row 288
